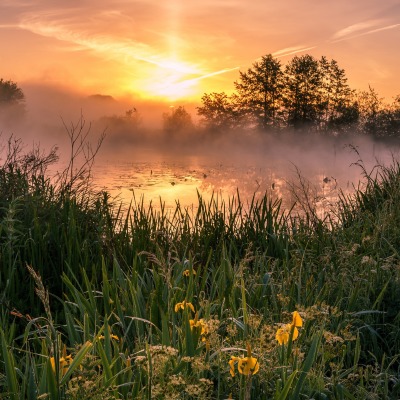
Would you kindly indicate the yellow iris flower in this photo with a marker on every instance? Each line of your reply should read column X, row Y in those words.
column 297, row 321
column 194, row 323
column 183, row 305
column 246, row 365
column 283, row 334
column 231, row 363
column 115, row 337
column 186, row 272
column 64, row 362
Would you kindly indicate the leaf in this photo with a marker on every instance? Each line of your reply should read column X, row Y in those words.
column 283, row 394
column 76, row 362
column 308, row 362
column 11, row 376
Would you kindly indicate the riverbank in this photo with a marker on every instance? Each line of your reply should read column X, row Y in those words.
column 197, row 306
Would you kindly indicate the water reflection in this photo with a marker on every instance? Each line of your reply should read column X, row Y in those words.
column 308, row 170
column 172, row 181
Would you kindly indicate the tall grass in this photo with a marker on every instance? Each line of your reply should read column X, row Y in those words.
column 102, row 309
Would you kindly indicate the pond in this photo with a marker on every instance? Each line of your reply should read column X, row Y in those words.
column 295, row 172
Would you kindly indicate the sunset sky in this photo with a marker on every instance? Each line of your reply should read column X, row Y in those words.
column 177, row 50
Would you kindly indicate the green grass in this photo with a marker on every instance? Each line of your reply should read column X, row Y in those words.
column 103, row 284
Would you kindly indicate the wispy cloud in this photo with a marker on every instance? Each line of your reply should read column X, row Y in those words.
column 219, row 72
column 385, row 28
column 361, row 29
column 354, row 29
column 291, row 50
column 122, row 49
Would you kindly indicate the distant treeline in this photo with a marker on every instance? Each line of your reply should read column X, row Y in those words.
column 306, row 94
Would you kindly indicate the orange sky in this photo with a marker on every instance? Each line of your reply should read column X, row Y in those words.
column 177, row 50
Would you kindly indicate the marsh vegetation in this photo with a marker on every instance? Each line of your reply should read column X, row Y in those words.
column 222, row 302
column 228, row 299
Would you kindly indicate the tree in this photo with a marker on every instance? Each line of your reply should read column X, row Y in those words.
column 10, row 93
column 340, row 111
column 370, row 107
column 177, row 121
column 376, row 117
column 303, row 92
column 12, row 102
column 259, row 92
column 218, row 112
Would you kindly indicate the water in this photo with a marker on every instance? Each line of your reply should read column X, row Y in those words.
column 299, row 170
column 294, row 174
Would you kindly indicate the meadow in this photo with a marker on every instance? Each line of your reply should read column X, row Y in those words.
column 223, row 301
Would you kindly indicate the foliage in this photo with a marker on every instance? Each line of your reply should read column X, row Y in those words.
column 177, row 121
column 303, row 94
column 162, row 305
column 259, row 92
column 10, row 93
column 306, row 94
column 12, row 102
column 219, row 113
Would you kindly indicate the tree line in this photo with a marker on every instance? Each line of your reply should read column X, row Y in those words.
column 306, row 94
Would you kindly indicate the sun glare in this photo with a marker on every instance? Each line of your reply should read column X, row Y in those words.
column 172, row 89
column 170, row 80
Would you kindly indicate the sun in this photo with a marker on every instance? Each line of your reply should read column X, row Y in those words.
column 172, row 88
column 170, row 80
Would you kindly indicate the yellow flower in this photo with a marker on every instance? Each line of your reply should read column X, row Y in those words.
column 186, row 272
column 283, row 334
column 201, row 324
column 182, row 305
column 246, row 365
column 297, row 321
column 232, row 365
column 115, row 337
column 53, row 364
column 64, row 362
column 194, row 323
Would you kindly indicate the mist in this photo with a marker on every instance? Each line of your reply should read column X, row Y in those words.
column 134, row 134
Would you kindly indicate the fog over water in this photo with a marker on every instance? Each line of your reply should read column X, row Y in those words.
column 138, row 158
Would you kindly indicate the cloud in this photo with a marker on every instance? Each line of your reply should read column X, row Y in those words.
column 291, row 50
column 354, row 29
column 48, row 25
column 128, row 49
column 385, row 28
column 361, row 29
column 210, row 74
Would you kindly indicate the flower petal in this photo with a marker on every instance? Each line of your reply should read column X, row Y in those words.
column 282, row 335
column 248, row 365
column 231, row 363
column 297, row 321
column 190, row 305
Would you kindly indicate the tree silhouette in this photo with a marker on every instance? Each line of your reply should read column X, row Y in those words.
column 303, row 92
column 12, row 102
column 219, row 112
column 306, row 94
column 10, row 93
column 178, row 120
column 340, row 111
column 259, row 92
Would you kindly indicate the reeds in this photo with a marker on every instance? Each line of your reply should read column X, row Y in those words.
column 105, row 323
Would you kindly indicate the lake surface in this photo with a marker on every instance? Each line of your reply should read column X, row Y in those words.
column 289, row 172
